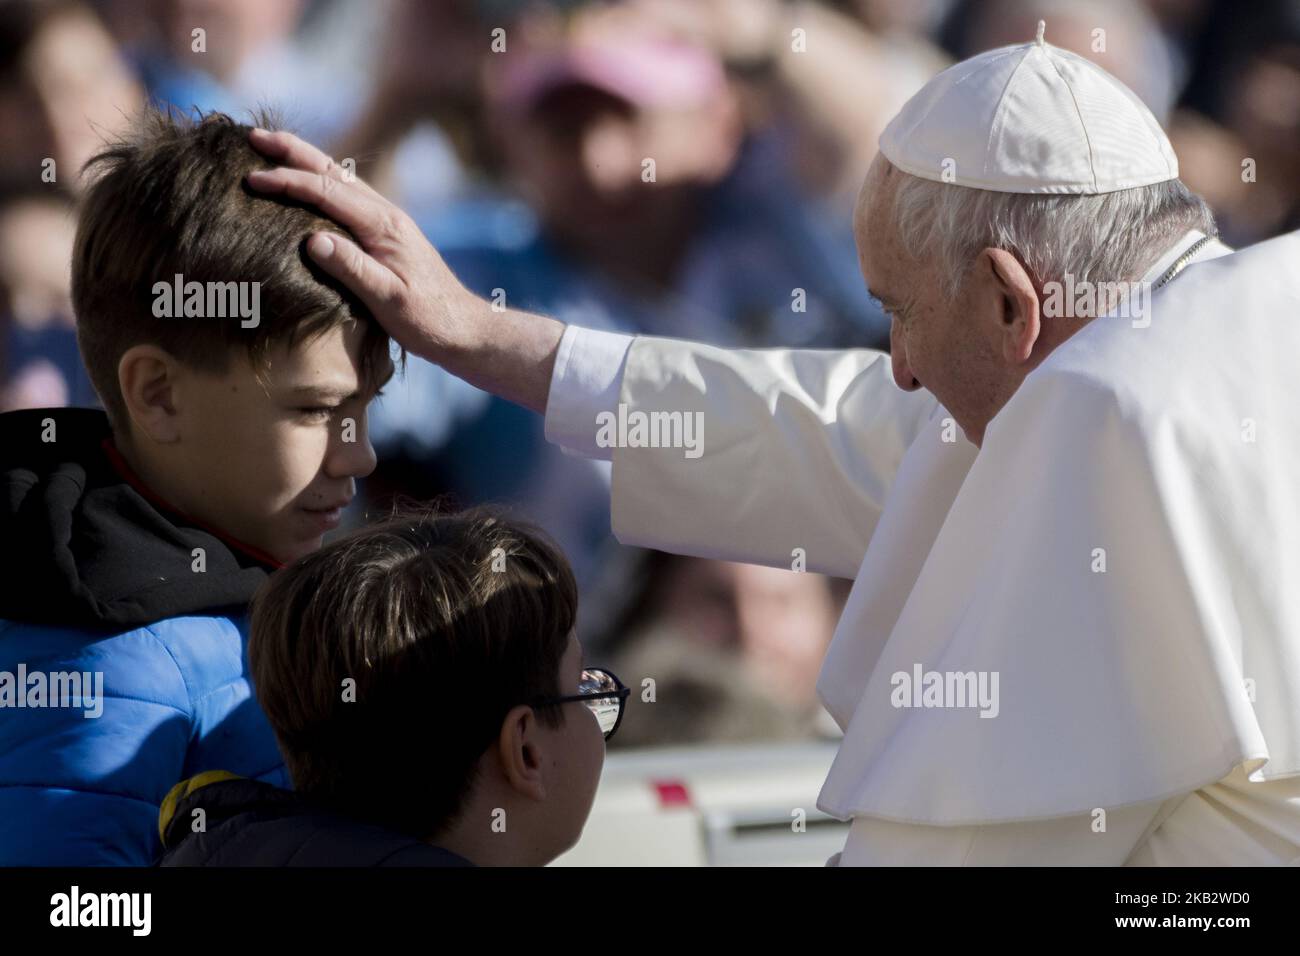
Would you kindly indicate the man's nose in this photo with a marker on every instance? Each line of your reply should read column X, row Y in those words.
column 903, row 376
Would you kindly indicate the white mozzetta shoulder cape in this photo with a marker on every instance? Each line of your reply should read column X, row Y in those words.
column 1171, row 453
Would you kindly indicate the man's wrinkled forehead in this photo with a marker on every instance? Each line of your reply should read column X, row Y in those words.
column 873, row 197
column 871, row 220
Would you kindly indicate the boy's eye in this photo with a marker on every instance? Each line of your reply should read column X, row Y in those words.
column 316, row 412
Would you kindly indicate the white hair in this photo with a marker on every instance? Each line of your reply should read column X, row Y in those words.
column 1112, row 237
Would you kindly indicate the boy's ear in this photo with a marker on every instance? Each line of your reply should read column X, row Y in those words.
column 147, row 377
column 518, row 750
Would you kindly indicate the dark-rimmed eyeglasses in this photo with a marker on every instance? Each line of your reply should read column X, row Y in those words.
column 602, row 692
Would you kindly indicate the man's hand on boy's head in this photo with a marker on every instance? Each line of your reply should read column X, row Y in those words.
column 394, row 270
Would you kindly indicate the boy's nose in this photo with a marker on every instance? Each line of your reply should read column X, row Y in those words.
column 355, row 458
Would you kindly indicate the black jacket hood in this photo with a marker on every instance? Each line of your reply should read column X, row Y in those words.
column 250, row 823
column 81, row 547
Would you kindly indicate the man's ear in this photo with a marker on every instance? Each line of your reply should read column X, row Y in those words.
column 1020, row 320
column 147, row 376
column 519, row 751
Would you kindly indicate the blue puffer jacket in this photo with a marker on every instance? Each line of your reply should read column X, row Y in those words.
column 98, row 578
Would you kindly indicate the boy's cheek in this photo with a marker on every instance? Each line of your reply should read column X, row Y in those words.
column 256, row 468
column 281, row 462
column 257, row 496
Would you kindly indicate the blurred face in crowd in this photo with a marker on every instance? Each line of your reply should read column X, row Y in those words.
column 269, row 460
column 233, row 29
column 35, row 261
column 581, row 155
column 72, row 88
column 1267, row 116
column 582, row 159
column 1121, row 48
column 780, row 621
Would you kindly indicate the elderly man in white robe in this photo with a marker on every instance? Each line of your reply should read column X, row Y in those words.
column 1070, row 512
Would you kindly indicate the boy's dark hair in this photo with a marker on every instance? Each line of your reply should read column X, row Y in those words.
column 170, row 199
column 444, row 622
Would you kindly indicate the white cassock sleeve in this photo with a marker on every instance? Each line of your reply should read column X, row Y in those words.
column 798, row 448
column 585, row 384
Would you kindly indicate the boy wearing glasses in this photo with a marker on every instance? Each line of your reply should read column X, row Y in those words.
column 430, row 699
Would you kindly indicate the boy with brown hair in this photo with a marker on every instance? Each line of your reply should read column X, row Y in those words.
column 431, row 702
column 235, row 377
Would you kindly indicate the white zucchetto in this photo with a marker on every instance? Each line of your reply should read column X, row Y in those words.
column 1031, row 118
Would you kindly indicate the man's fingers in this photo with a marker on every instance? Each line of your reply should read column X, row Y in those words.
column 372, row 282
column 341, row 201
column 289, row 150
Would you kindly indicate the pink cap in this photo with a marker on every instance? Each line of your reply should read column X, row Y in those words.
column 645, row 73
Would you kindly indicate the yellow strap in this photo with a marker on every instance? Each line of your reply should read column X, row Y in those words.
column 183, row 790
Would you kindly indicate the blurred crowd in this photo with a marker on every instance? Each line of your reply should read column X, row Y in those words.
column 665, row 167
